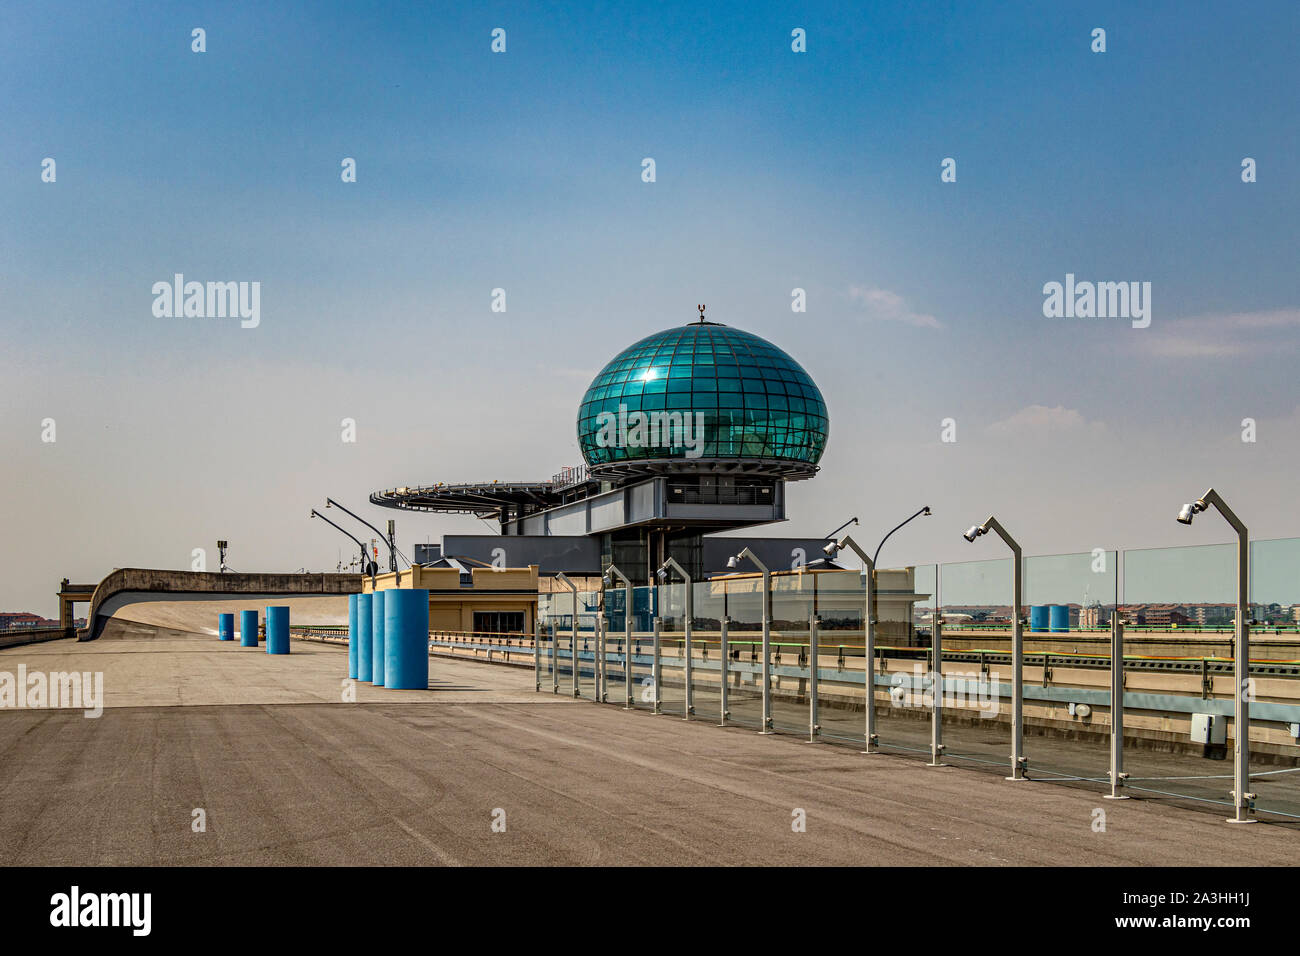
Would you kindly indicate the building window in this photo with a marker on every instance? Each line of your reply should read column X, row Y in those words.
column 499, row 622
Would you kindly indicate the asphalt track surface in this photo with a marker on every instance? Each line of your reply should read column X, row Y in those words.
column 287, row 772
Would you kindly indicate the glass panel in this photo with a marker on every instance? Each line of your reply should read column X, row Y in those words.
column 1069, row 601
column 616, row 621
column 975, row 609
column 905, row 602
column 838, row 602
column 1177, row 665
column 672, row 642
column 792, row 608
column 588, row 607
column 1275, row 667
column 706, row 639
column 643, row 602
column 743, row 597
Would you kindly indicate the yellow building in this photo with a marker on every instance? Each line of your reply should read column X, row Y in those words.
column 485, row 600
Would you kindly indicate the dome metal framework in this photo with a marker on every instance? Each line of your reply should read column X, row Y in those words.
column 739, row 405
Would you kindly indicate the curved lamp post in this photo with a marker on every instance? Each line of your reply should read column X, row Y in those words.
column 1242, row 801
column 364, row 562
column 388, row 540
column 1018, row 759
column 689, row 707
column 608, row 580
column 734, row 562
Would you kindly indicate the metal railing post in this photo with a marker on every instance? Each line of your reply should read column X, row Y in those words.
column 537, row 656
column 936, row 690
column 654, row 668
column 627, row 648
column 767, row 655
column 1117, row 774
column 573, row 648
column 688, row 708
column 814, row 727
column 722, row 687
column 1018, row 759
column 602, row 689
column 555, row 660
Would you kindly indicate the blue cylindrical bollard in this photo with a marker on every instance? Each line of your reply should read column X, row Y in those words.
column 225, row 627
column 363, row 636
column 352, row 635
column 247, row 628
column 1060, row 618
column 406, row 639
column 1038, row 617
column 377, row 637
column 277, row 629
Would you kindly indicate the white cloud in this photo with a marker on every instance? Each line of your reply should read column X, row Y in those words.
column 890, row 307
column 1043, row 419
column 1223, row 335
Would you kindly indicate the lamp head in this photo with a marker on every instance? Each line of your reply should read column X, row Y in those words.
column 1191, row 510
column 926, row 511
column 733, row 562
column 831, row 549
column 662, row 573
column 973, row 532
column 608, row 580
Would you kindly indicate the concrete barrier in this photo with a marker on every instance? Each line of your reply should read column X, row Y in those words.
column 406, row 639
column 377, row 638
column 164, row 582
column 277, row 629
column 225, row 627
column 364, row 625
column 247, row 628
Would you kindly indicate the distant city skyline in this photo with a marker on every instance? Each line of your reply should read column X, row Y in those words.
column 780, row 178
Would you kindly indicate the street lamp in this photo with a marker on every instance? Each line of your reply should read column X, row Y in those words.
column 1241, row 800
column 734, row 562
column 924, row 511
column 392, row 548
column 689, row 707
column 607, row 580
column 366, row 565
column 1018, row 760
column 573, row 639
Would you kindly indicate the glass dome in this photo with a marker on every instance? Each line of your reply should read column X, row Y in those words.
column 708, row 393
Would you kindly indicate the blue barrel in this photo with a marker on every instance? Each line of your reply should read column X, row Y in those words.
column 1038, row 617
column 352, row 635
column 363, row 636
column 277, row 629
column 226, row 627
column 1060, row 618
column 377, row 636
column 406, row 639
column 247, row 628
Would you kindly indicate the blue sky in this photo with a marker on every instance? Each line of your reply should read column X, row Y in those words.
column 521, row 170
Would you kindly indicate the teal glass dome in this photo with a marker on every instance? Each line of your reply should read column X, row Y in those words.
column 759, row 410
